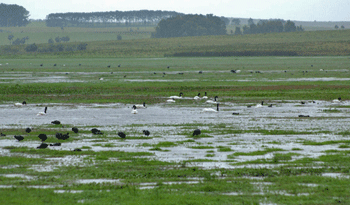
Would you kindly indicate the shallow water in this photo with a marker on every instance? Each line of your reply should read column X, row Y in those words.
column 115, row 117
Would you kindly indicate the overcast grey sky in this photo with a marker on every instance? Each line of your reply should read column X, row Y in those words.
column 304, row 10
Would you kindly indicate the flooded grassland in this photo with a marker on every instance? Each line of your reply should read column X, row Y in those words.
column 288, row 150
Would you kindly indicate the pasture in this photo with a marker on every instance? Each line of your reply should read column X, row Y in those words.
column 259, row 155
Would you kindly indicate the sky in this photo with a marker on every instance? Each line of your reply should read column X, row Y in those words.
column 299, row 10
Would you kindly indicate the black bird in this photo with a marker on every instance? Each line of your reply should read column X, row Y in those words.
column 96, row 131
column 119, row 66
column 42, row 146
column 2, row 135
column 56, row 122
column 235, row 113
column 200, row 72
column 43, row 137
column 302, row 102
column 54, row 64
column 77, row 150
column 18, row 137
column 270, row 105
column 75, row 130
column 28, row 130
column 109, row 66
column 65, row 136
column 304, row 115
column 79, row 64
column 196, row 132
column 59, row 136
column 121, row 134
column 168, row 67
column 146, row 132
column 41, row 64
column 56, row 144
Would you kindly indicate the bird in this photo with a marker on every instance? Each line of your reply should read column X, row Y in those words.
column 2, row 135
column 121, row 134
column 235, row 113
column 171, row 100
column 42, row 113
column 42, row 146
column 54, row 64
column 59, row 136
column 205, row 95
column 302, row 102
column 197, row 97
column 109, row 66
column 18, row 137
column 41, row 64
column 337, row 100
column 75, row 130
column 270, row 105
column 119, row 65
column 100, row 78
column 168, row 67
column 196, row 132
column 56, row 122
column 77, row 150
column 177, row 97
column 213, row 101
column 260, row 105
column 304, row 116
column 141, row 105
column 28, row 130
column 65, row 136
column 43, row 137
column 146, row 132
column 134, row 110
column 200, row 72
column 96, row 131
column 56, row 144
column 20, row 104
column 211, row 109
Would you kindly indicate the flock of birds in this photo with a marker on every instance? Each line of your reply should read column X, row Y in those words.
column 60, row 136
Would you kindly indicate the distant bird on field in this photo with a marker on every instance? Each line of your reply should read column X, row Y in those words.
column 337, row 100
column 75, row 130
column 96, row 131
column 171, row 100
column 42, row 146
column 119, row 65
column 134, row 110
column 109, row 66
column 55, row 144
column 28, row 130
column 196, row 132
column 20, row 104
column 146, row 132
column 65, row 136
column 59, row 136
column 2, row 135
column 42, row 113
column 18, row 137
column 56, row 122
column 177, row 97
column 43, row 137
column 197, row 97
column 41, row 64
column 205, row 95
column 121, row 134
column 54, row 64
column 141, row 105
column 77, row 150
column 211, row 109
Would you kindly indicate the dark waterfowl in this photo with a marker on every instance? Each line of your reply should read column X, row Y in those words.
column 121, row 134
column 196, row 132
column 146, row 132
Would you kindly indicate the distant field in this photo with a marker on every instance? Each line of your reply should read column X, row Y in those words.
column 40, row 34
column 317, row 43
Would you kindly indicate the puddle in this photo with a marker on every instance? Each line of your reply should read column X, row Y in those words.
column 18, row 176
column 98, row 181
column 335, row 175
column 67, row 191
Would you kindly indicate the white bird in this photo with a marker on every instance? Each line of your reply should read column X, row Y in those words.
column 337, row 100
column 171, row 100
column 213, row 101
column 205, row 96
column 20, row 104
column 177, row 97
column 211, row 109
column 197, row 97
column 260, row 105
column 42, row 113
column 100, row 78
column 141, row 105
column 134, row 110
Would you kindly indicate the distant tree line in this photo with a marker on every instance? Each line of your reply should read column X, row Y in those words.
column 111, row 18
column 18, row 41
column 268, row 26
column 190, row 25
column 13, row 15
column 55, row 48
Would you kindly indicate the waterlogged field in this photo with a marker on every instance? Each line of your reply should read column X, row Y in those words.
column 247, row 153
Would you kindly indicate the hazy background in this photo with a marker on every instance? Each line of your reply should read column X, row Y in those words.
column 310, row 10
